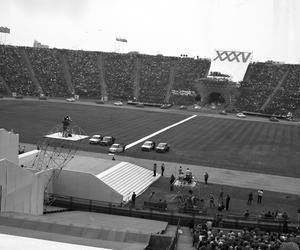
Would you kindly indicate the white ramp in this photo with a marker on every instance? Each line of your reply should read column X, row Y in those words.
column 126, row 178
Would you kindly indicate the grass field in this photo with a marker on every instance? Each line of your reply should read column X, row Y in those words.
column 264, row 147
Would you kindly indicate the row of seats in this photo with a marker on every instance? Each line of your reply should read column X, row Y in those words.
column 205, row 237
column 48, row 70
column 287, row 99
column 85, row 72
column 119, row 73
column 14, row 72
column 262, row 79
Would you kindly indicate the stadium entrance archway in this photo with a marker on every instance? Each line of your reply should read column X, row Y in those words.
column 216, row 91
column 215, row 97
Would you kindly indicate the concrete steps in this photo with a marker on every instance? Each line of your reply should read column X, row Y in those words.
column 126, row 178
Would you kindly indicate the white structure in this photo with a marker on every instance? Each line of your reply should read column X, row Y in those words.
column 21, row 190
column 9, row 146
column 102, row 180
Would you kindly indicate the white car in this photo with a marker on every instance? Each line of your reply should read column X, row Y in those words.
column 240, row 115
column 148, row 146
column 196, row 106
column 71, row 99
column 95, row 139
column 118, row 103
column 117, row 148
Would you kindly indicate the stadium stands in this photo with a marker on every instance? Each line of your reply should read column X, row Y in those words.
column 287, row 99
column 14, row 73
column 206, row 238
column 48, row 70
column 154, row 80
column 278, row 82
column 267, row 87
column 119, row 75
column 187, row 70
column 263, row 78
column 84, row 72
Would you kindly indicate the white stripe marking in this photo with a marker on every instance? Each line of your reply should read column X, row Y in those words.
column 158, row 132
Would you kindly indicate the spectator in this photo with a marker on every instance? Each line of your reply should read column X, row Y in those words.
column 162, row 167
column 246, row 213
column 172, row 179
column 206, row 177
column 133, row 197
column 154, row 169
column 250, row 198
column 227, row 201
column 151, row 195
column 260, row 193
column 211, row 200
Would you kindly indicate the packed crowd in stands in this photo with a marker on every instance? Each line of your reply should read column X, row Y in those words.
column 287, row 98
column 14, row 72
column 48, row 69
column 207, row 238
column 85, row 72
column 155, row 71
column 186, row 71
column 259, row 82
column 119, row 75
column 121, row 72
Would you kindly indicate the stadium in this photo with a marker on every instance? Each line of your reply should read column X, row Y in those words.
column 227, row 178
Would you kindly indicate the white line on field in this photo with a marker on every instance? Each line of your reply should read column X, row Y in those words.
column 158, row 132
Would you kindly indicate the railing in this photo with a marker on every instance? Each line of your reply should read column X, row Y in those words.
column 172, row 217
column 173, row 245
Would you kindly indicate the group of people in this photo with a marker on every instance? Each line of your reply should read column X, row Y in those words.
column 205, row 237
column 260, row 81
column 162, row 169
column 14, row 71
column 48, row 69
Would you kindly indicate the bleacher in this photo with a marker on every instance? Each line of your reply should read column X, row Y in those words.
column 14, row 72
column 261, row 82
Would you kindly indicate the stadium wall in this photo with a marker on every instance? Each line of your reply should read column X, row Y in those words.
column 21, row 189
column 84, row 185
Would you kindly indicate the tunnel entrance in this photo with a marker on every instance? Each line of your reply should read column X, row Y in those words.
column 216, row 98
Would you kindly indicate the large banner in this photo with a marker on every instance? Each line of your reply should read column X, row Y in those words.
column 233, row 56
column 231, row 63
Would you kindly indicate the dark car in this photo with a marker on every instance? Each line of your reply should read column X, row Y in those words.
column 162, row 147
column 274, row 119
column 107, row 141
column 223, row 112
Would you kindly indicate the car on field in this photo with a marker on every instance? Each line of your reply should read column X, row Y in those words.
column 274, row 119
column 95, row 139
column 241, row 115
column 71, row 99
column 196, row 106
column 117, row 148
column 118, row 103
column 140, row 105
column 162, row 147
column 107, row 141
column 166, row 106
column 100, row 102
column 223, row 112
column 148, row 146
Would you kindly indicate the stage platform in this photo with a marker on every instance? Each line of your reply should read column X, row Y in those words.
column 74, row 137
column 185, row 184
